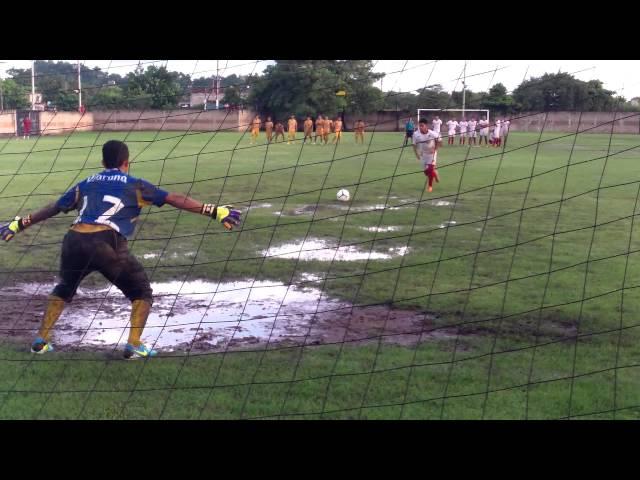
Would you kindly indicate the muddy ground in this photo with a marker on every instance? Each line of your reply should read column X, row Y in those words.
column 205, row 317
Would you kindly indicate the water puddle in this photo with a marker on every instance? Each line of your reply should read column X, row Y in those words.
column 195, row 312
column 148, row 256
column 316, row 249
column 381, row 229
column 311, row 209
column 448, row 223
column 371, row 208
column 203, row 316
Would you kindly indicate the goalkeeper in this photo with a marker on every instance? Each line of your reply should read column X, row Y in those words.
column 109, row 204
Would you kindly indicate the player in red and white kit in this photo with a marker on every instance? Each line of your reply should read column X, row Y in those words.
column 436, row 123
column 451, row 126
column 496, row 133
column 425, row 146
column 472, row 130
column 504, row 130
column 463, row 125
column 483, row 126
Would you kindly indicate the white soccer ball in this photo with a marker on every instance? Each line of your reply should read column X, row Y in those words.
column 343, row 195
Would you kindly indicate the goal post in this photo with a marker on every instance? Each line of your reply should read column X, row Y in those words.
column 446, row 116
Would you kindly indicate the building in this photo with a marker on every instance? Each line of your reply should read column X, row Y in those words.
column 37, row 104
column 199, row 96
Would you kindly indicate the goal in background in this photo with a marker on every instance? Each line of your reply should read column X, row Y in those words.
column 444, row 113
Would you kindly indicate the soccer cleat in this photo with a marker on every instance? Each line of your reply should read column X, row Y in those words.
column 39, row 346
column 141, row 351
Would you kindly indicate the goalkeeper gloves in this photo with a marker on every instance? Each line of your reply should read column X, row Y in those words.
column 225, row 214
column 8, row 230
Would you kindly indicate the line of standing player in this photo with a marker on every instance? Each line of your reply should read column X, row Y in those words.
column 324, row 126
column 492, row 134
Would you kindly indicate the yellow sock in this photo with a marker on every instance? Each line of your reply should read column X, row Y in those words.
column 51, row 316
column 139, row 312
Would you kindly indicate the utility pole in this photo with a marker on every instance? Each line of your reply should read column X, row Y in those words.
column 217, row 84
column 1, row 93
column 464, row 86
column 33, row 85
column 79, row 89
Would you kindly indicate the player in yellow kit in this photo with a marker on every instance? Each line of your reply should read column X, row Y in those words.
column 359, row 129
column 268, row 129
column 255, row 129
column 337, row 130
column 308, row 129
column 327, row 129
column 279, row 132
column 319, row 129
column 292, row 126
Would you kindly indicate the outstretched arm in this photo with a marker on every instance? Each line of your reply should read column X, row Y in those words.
column 8, row 230
column 225, row 214
column 184, row 203
column 46, row 212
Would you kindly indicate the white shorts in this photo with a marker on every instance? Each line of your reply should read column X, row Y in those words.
column 428, row 160
column 472, row 134
column 452, row 133
column 484, row 132
column 463, row 134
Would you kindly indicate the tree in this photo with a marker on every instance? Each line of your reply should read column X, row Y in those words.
column 154, row 88
column 403, row 101
column 236, row 88
column 184, row 82
column 232, row 95
column 111, row 97
column 238, row 81
column 65, row 100
column 356, row 78
column 562, row 91
column 14, row 96
column 304, row 87
column 434, row 96
column 58, row 82
column 497, row 100
column 600, row 99
column 202, row 82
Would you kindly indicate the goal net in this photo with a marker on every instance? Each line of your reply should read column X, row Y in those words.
column 507, row 292
column 454, row 113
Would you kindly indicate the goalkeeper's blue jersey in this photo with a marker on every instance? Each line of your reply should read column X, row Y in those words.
column 111, row 198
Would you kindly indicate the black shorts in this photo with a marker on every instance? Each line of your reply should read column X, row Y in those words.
column 106, row 252
column 409, row 133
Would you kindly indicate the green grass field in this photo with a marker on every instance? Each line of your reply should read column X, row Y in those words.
column 537, row 277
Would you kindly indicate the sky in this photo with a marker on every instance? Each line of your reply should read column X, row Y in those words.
column 621, row 76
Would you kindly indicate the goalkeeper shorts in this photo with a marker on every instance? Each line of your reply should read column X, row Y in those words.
column 106, row 252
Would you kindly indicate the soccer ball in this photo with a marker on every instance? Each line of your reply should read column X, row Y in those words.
column 343, row 195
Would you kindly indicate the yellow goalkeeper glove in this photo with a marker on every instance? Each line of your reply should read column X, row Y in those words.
column 8, row 230
column 225, row 214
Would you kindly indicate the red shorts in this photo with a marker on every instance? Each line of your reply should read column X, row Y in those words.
column 429, row 170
